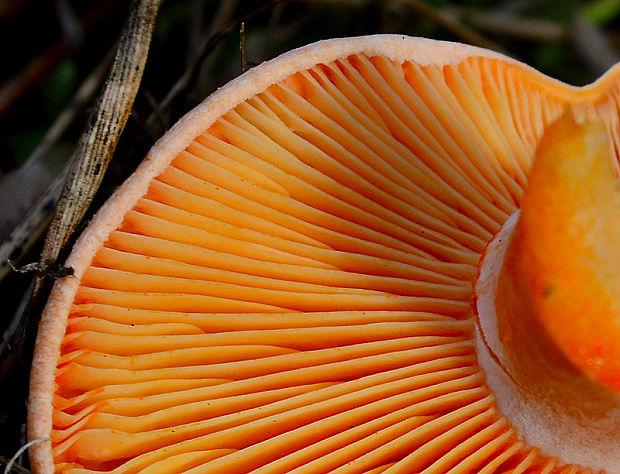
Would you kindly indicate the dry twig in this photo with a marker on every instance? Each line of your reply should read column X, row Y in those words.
column 11, row 466
column 93, row 154
column 15, row 469
column 99, row 141
column 244, row 64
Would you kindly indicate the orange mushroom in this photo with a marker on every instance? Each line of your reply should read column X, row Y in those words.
column 549, row 287
column 285, row 283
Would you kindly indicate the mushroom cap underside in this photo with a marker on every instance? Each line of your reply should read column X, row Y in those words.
column 284, row 284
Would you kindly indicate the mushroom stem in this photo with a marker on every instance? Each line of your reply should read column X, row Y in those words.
column 549, row 301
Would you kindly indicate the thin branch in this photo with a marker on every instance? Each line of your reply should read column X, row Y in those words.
column 244, row 64
column 91, row 158
column 11, row 464
column 99, row 141
column 15, row 469
column 94, row 152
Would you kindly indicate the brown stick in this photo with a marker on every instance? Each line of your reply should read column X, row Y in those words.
column 98, row 142
column 94, row 152
column 92, row 156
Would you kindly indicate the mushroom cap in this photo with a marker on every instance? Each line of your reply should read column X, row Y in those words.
column 284, row 284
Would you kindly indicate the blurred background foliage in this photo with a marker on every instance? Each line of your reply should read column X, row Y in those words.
column 52, row 50
column 542, row 33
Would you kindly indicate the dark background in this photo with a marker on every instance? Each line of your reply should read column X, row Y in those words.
column 50, row 47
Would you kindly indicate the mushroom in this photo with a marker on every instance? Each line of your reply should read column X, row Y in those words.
column 285, row 283
column 549, row 287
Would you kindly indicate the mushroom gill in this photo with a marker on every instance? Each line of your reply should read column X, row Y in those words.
column 285, row 283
